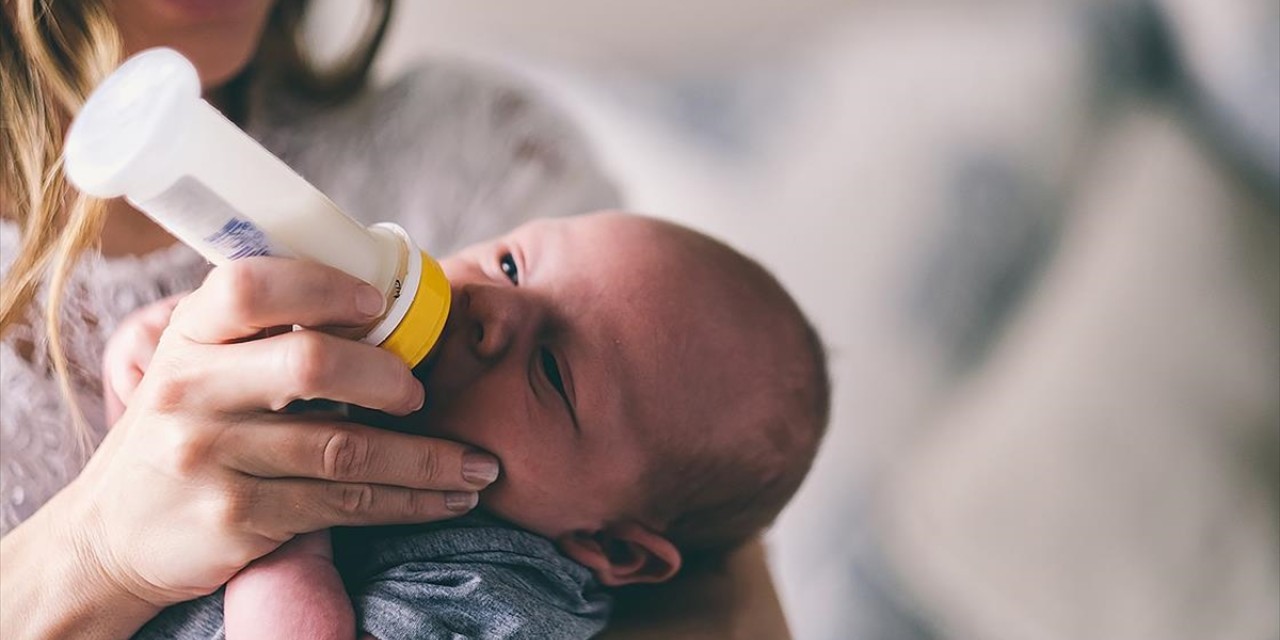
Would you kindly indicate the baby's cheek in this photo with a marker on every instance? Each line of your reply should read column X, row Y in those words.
column 535, row 498
column 465, row 419
column 505, row 500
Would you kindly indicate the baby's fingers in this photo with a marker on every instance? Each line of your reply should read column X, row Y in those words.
column 129, row 351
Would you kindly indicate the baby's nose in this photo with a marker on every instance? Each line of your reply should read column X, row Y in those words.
column 494, row 319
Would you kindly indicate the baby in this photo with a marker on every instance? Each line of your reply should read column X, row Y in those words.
column 653, row 396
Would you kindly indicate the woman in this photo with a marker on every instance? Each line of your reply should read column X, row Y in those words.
column 179, row 496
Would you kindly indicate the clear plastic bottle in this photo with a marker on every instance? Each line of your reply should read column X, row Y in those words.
column 146, row 134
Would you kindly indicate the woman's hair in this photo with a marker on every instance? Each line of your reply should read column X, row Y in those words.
column 52, row 54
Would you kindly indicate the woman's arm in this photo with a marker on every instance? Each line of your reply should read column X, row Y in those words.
column 51, row 586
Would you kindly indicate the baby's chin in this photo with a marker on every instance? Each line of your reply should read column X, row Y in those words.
column 504, row 501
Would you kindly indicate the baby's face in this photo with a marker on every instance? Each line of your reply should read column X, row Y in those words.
column 567, row 349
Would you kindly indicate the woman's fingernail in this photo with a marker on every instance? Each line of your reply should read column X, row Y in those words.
column 460, row 501
column 479, row 468
column 416, row 396
column 370, row 302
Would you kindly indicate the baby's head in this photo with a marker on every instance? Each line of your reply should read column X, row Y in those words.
column 650, row 392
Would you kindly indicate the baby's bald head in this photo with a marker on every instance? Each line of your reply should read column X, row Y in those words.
column 648, row 390
column 752, row 398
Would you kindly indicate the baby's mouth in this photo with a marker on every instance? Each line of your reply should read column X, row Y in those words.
column 425, row 370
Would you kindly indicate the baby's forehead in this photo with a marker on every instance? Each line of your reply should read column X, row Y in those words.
column 661, row 249
column 687, row 330
column 656, row 263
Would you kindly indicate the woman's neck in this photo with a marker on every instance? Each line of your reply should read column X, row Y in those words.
column 127, row 232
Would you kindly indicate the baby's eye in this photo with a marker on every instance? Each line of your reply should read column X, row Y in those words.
column 508, row 265
column 552, row 370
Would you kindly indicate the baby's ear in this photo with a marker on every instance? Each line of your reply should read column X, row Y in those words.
column 623, row 554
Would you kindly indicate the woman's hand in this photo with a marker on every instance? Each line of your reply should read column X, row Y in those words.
column 202, row 474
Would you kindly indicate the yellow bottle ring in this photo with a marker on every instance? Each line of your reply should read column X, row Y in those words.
column 424, row 321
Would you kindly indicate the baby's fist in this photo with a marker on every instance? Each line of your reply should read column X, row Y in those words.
column 129, row 351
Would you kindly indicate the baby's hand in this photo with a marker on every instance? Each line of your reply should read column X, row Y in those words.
column 129, row 351
column 292, row 593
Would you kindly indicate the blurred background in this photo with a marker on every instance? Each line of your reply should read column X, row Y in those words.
column 1042, row 242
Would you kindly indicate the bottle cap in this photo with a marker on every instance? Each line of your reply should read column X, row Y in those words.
column 425, row 317
column 419, row 305
column 122, row 140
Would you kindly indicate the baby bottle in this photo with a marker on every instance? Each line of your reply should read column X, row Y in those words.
column 146, row 134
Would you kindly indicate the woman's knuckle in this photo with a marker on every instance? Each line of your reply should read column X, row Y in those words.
column 169, row 388
column 307, row 362
column 236, row 286
column 355, row 499
column 187, row 450
column 346, row 456
column 428, row 464
column 231, row 512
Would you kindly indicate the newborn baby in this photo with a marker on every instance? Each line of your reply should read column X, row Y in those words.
column 653, row 396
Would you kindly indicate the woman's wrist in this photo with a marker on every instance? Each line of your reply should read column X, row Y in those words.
column 54, row 584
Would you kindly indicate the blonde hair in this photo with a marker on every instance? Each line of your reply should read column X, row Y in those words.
column 52, row 54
